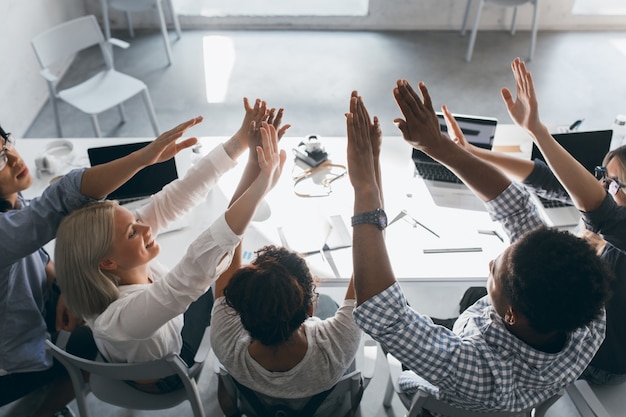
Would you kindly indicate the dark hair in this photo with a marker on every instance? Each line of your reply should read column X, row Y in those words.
column 4, row 134
column 272, row 295
column 556, row 280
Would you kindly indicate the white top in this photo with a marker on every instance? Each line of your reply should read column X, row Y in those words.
column 332, row 346
column 145, row 322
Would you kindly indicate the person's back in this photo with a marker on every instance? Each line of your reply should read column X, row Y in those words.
column 264, row 335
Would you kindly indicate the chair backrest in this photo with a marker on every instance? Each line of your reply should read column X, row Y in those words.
column 106, row 381
column 343, row 398
column 423, row 400
column 67, row 39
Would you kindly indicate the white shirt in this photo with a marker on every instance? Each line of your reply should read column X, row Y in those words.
column 145, row 322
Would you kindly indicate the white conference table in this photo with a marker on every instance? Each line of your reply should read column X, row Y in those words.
column 304, row 223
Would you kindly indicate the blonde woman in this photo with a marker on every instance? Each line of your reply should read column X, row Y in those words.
column 106, row 258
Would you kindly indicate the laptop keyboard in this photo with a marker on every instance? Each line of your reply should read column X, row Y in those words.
column 436, row 172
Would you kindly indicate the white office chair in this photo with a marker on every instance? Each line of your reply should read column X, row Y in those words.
column 106, row 380
column 502, row 3
column 103, row 91
column 130, row 6
column 422, row 400
column 343, row 399
column 598, row 400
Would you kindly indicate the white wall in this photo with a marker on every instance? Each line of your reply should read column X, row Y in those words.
column 398, row 15
column 24, row 92
column 22, row 89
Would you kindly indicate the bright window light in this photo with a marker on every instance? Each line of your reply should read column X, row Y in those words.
column 219, row 59
column 620, row 45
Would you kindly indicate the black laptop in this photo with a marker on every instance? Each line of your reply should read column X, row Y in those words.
column 588, row 148
column 143, row 184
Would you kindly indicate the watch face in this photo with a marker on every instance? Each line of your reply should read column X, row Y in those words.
column 382, row 219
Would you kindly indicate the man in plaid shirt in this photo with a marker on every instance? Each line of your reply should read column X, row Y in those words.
column 543, row 318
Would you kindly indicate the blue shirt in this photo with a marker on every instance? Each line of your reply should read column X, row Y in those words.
column 480, row 365
column 23, row 283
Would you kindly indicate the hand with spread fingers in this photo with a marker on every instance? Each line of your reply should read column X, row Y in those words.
column 524, row 109
column 420, row 126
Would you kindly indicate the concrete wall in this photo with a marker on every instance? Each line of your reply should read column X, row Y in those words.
column 24, row 92
column 22, row 89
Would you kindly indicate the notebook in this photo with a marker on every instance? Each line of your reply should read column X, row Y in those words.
column 588, row 148
column 150, row 180
column 446, row 189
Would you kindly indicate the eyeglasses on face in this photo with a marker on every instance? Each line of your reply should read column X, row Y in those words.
column 8, row 143
column 612, row 185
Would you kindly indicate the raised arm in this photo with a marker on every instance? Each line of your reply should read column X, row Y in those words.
column 517, row 169
column 586, row 192
column 420, row 128
column 372, row 268
column 250, row 173
column 100, row 180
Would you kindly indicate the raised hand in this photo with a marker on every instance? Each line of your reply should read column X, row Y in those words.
column 361, row 163
column 524, row 108
column 271, row 158
column 376, row 135
column 454, row 131
column 165, row 146
column 271, row 117
column 420, row 126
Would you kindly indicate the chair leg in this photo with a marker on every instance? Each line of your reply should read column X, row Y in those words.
column 153, row 120
column 55, row 111
column 465, row 16
column 96, row 125
column 175, row 19
column 470, row 47
column 120, row 109
column 513, row 21
column 389, row 392
column 533, row 31
column 105, row 18
column 129, row 22
column 166, row 38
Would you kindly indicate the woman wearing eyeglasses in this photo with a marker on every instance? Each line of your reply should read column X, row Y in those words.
column 600, row 199
column 29, row 310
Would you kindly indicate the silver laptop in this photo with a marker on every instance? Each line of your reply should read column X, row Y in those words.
column 137, row 191
column 446, row 189
column 588, row 148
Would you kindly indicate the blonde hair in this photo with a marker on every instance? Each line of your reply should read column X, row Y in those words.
column 84, row 238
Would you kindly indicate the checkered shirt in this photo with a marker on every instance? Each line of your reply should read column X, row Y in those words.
column 480, row 365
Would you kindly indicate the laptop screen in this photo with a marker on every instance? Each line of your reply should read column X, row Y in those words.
column 588, row 148
column 146, row 182
column 478, row 130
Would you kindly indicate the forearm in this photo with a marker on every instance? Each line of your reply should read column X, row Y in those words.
column 517, row 169
column 100, row 180
column 586, row 192
column 350, row 292
column 371, row 265
column 485, row 180
column 225, row 277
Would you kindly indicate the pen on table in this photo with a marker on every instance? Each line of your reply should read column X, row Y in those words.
column 491, row 232
column 453, row 250
column 405, row 214
column 576, row 125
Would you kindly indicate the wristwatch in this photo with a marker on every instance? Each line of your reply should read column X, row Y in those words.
column 377, row 217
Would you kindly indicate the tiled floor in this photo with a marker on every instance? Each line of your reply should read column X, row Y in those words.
column 311, row 75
